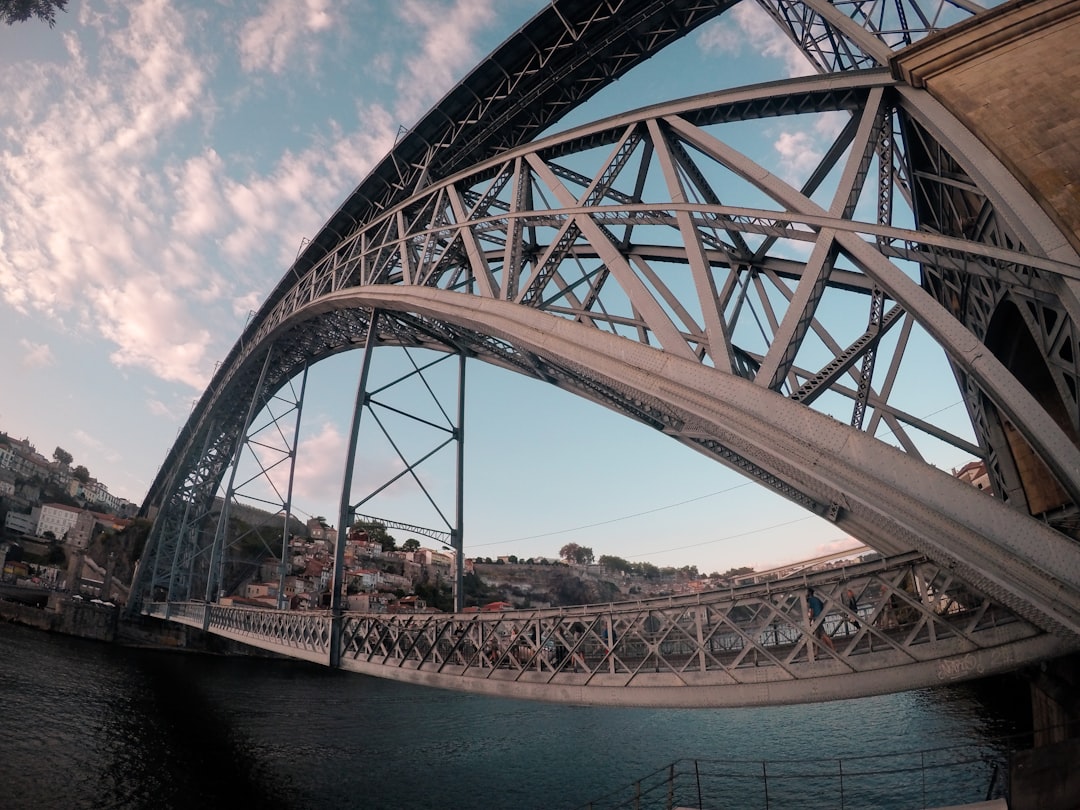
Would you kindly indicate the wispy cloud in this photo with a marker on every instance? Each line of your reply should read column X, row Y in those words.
column 445, row 50
column 120, row 217
column 320, row 465
column 78, row 179
column 95, row 447
column 285, row 28
column 35, row 355
column 748, row 27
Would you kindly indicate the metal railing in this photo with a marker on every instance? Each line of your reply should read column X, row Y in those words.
column 901, row 781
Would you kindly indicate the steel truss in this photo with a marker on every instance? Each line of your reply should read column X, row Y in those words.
column 646, row 263
column 914, row 624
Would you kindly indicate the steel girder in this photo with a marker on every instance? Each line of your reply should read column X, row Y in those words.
column 621, row 229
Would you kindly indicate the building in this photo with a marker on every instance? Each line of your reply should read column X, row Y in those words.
column 57, row 518
column 974, row 473
column 21, row 522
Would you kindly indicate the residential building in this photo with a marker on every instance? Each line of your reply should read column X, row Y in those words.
column 57, row 518
column 974, row 473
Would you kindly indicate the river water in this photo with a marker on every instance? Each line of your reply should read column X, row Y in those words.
column 92, row 725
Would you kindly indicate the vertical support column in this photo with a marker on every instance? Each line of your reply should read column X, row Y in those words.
column 182, row 533
column 217, row 553
column 457, row 538
column 337, row 609
column 282, row 568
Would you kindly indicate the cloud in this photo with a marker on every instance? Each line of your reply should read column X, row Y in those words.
column 320, row 461
column 78, row 177
column 270, row 41
column 750, row 25
column 97, row 449
column 159, row 408
column 130, row 225
column 445, row 49
column 130, row 212
column 799, row 153
column 35, row 355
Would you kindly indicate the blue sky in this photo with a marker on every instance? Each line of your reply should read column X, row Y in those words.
column 160, row 168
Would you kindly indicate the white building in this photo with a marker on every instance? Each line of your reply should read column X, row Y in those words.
column 56, row 518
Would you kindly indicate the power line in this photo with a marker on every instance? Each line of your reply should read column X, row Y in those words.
column 729, row 537
column 614, row 520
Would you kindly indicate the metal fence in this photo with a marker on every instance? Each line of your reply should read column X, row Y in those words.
column 898, row 781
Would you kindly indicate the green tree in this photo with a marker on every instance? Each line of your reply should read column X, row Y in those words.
column 649, row 571
column 616, row 563
column 80, row 473
column 572, row 552
column 62, row 456
column 13, row 11
column 738, row 572
column 412, row 544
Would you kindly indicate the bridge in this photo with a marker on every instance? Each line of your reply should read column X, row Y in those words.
column 644, row 263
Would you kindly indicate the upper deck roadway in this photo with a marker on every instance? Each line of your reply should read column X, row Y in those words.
column 646, row 264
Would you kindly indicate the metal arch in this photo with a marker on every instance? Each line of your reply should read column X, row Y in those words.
column 418, row 245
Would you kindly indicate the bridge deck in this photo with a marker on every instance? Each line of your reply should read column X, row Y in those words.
column 913, row 625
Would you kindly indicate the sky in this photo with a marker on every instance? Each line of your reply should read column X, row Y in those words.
column 161, row 165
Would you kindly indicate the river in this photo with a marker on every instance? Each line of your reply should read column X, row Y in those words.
column 93, row 725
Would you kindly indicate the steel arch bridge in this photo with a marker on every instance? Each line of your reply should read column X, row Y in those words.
column 646, row 264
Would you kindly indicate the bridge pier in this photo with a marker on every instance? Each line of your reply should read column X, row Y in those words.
column 1010, row 75
column 1045, row 777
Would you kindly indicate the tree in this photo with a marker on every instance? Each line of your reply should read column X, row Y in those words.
column 80, row 473
column 13, row 11
column 572, row 552
column 412, row 544
column 616, row 563
column 62, row 456
column 738, row 572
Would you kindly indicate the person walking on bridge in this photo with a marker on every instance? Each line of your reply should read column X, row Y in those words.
column 852, row 604
column 815, row 608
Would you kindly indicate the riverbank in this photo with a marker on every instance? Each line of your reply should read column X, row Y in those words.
column 65, row 615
